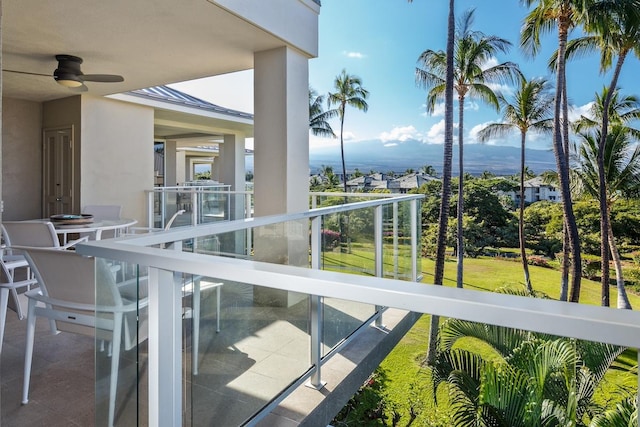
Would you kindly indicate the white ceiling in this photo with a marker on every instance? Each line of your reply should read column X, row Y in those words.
column 149, row 43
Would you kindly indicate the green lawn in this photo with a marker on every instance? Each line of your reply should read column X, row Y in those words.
column 406, row 383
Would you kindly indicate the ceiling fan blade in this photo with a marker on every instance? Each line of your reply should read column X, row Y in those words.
column 103, row 78
column 26, row 72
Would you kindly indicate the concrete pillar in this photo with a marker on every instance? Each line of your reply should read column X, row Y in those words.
column 231, row 162
column 281, row 161
column 215, row 168
column 170, row 178
column 281, row 131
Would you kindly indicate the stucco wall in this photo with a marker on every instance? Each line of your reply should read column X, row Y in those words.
column 21, row 159
column 117, row 155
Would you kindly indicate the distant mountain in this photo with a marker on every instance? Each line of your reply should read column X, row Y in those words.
column 399, row 156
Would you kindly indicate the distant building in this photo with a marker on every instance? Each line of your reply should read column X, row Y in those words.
column 535, row 190
column 381, row 181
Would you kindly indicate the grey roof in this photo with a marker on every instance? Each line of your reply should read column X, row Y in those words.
column 167, row 94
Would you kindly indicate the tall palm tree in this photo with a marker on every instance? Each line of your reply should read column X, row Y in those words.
column 349, row 92
column 318, row 117
column 473, row 51
column 530, row 109
column 622, row 176
column 565, row 15
column 443, row 217
column 614, row 28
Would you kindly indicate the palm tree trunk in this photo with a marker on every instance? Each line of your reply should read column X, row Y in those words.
column 623, row 300
column 563, row 168
column 460, row 231
column 607, row 243
column 344, row 166
column 446, row 182
column 566, row 245
column 564, row 279
column 523, row 253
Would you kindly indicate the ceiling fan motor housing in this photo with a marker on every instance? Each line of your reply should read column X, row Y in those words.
column 68, row 69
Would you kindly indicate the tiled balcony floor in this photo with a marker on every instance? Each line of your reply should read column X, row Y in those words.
column 258, row 351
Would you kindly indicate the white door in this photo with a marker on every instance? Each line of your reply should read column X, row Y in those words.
column 58, row 172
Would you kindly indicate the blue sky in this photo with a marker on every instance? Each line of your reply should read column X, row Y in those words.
column 380, row 41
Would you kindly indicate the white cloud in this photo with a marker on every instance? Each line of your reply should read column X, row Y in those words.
column 318, row 142
column 401, row 133
column 435, row 135
column 491, row 62
column 348, row 136
column 473, row 135
column 354, row 55
column 505, row 90
column 391, row 144
column 438, row 110
column 471, row 105
column 575, row 111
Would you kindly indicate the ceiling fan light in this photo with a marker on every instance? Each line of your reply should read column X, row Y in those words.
column 68, row 80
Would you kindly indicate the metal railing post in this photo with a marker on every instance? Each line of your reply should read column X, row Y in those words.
column 316, row 308
column 165, row 343
column 377, row 244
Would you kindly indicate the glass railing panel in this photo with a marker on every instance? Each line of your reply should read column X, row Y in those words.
column 233, row 244
column 213, row 207
column 249, row 347
column 396, row 241
column 121, row 383
column 348, row 242
column 340, row 319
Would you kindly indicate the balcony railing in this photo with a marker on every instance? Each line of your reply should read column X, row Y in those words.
column 251, row 341
column 265, row 323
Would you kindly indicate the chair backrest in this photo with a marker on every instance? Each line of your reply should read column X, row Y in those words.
column 103, row 211
column 72, row 278
column 27, row 233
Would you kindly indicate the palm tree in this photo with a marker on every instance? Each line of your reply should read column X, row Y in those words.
column 564, row 14
column 473, row 51
column 443, row 217
column 349, row 92
column 318, row 118
column 535, row 380
column 622, row 176
column 615, row 28
column 530, row 108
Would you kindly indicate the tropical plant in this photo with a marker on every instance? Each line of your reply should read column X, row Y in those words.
column 535, row 379
column 615, row 30
column 472, row 75
column 530, row 109
column 318, row 117
column 622, row 175
column 565, row 15
column 348, row 92
column 443, row 217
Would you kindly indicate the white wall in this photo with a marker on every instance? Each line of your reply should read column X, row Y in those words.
column 117, row 155
column 21, row 159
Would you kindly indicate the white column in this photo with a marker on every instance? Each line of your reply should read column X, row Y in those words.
column 231, row 162
column 281, row 161
column 281, row 131
column 170, row 177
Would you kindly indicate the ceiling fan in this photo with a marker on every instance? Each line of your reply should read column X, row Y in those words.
column 70, row 75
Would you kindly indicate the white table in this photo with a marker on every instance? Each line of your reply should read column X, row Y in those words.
column 97, row 226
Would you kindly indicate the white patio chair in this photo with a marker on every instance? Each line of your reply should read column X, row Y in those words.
column 68, row 295
column 30, row 234
column 35, row 234
column 103, row 212
column 8, row 288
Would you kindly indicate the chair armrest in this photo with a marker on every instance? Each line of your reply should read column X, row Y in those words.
column 75, row 242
